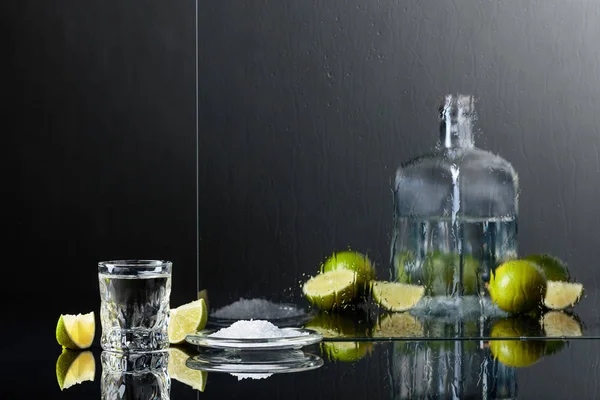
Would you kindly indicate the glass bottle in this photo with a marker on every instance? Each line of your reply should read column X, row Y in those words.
column 455, row 211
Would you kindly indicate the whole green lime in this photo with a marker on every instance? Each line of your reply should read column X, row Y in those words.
column 516, row 353
column 404, row 263
column 517, row 286
column 554, row 268
column 353, row 261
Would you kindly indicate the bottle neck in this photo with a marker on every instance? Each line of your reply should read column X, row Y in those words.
column 457, row 114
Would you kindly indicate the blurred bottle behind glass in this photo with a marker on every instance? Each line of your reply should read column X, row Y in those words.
column 455, row 210
column 449, row 370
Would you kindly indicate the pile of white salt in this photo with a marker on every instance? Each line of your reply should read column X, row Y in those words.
column 255, row 329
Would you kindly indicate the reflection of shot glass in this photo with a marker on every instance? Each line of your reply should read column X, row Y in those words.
column 134, row 309
column 135, row 376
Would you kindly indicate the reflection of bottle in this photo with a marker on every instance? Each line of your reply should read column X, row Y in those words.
column 455, row 210
column 135, row 376
column 449, row 370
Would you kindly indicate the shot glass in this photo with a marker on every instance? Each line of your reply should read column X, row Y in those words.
column 134, row 310
column 135, row 376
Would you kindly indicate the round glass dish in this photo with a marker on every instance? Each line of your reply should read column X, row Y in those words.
column 303, row 337
column 254, row 362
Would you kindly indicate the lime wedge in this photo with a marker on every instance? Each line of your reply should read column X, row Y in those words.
column 76, row 331
column 187, row 319
column 73, row 367
column 559, row 324
column 560, row 295
column 180, row 372
column 396, row 296
column 332, row 289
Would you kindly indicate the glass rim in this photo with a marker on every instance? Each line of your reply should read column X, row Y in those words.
column 134, row 264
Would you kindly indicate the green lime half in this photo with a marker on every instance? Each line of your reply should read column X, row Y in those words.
column 333, row 289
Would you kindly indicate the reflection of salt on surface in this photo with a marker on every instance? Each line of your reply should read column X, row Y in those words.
column 257, row 308
column 251, row 376
column 255, row 329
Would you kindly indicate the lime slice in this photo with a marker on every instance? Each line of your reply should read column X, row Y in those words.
column 333, row 289
column 554, row 268
column 395, row 296
column 73, row 367
column 398, row 325
column 559, row 324
column 187, row 319
column 180, row 372
column 517, row 286
column 561, row 295
column 76, row 331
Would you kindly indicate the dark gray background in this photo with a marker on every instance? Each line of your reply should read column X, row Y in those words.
column 307, row 108
column 99, row 113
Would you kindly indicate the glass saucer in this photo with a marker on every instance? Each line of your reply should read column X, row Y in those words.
column 303, row 337
column 254, row 362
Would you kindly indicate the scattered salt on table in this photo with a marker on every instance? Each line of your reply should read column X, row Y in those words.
column 256, row 309
column 255, row 329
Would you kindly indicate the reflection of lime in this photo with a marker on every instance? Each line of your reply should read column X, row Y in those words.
column 73, row 367
column 559, row 324
column 180, row 372
column 554, row 268
column 353, row 261
column 439, row 270
column 516, row 353
column 333, row 289
column 346, row 351
column 517, row 286
column 561, row 295
column 332, row 325
column 398, row 325
column 395, row 296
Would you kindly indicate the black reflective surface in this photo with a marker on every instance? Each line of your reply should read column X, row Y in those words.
column 374, row 370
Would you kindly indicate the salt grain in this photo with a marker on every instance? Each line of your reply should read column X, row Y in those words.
column 255, row 329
